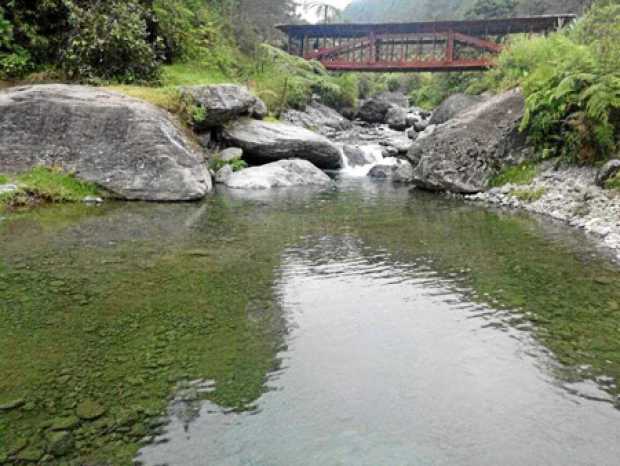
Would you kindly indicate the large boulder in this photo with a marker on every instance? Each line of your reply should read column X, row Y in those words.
column 453, row 106
column 318, row 118
column 356, row 156
column 280, row 174
column 264, row 142
column 396, row 118
column 374, row 110
column 397, row 170
column 464, row 153
column 222, row 103
column 127, row 146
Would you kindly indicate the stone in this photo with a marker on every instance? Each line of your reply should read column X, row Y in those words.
column 453, row 106
column 464, row 153
column 374, row 110
column 607, row 171
column 129, row 147
column 65, row 423
column 223, row 174
column 222, row 103
column 397, row 170
column 280, row 174
column 60, row 443
column 318, row 118
column 355, row 156
column 264, row 142
column 396, row 118
column 412, row 134
column 4, row 189
column 395, row 98
column 231, row 154
column 92, row 200
column 90, row 410
column 30, row 455
column 13, row 404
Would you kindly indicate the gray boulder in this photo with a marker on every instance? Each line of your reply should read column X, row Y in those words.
column 231, row 154
column 464, row 153
column 264, row 142
column 280, row 174
column 374, row 110
column 355, row 156
column 453, row 106
column 397, row 170
column 318, row 118
column 129, row 147
column 607, row 171
column 223, row 174
column 396, row 118
column 395, row 98
column 222, row 103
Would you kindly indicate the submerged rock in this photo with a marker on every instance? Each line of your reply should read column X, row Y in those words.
column 264, row 142
column 280, row 174
column 129, row 147
column 397, row 170
column 318, row 118
column 453, row 106
column 222, row 103
column 464, row 153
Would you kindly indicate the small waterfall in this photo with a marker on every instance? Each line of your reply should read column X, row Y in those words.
column 372, row 155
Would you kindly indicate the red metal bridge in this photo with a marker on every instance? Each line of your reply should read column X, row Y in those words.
column 438, row 46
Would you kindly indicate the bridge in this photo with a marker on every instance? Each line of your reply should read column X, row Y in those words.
column 432, row 46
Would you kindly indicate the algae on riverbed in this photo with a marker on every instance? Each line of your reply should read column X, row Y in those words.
column 113, row 306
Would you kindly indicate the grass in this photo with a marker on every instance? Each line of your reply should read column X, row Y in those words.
column 45, row 185
column 614, row 183
column 528, row 195
column 519, row 174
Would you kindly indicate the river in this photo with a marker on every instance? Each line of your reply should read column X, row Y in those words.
column 361, row 324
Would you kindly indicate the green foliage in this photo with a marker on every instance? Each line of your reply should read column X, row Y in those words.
column 110, row 41
column 4, row 179
column 613, row 183
column 519, row 174
column 236, row 165
column 491, row 9
column 198, row 114
column 432, row 89
column 14, row 60
column 393, row 84
column 527, row 195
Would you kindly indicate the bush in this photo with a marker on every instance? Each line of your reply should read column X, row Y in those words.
column 15, row 61
column 109, row 41
column 393, row 84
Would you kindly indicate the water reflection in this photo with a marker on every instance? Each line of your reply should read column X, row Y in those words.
column 388, row 362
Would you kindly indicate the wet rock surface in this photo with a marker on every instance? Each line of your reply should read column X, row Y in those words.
column 317, row 118
column 464, row 153
column 280, row 174
column 264, row 142
column 129, row 147
column 454, row 106
column 397, row 170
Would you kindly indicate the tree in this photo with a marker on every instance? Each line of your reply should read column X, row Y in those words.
column 483, row 9
column 323, row 10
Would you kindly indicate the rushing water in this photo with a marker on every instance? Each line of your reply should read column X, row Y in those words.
column 364, row 324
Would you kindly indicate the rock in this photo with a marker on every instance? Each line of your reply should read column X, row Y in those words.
column 412, row 134
column 280, row 174
column 231, row 154
column 420, row 125
column 453, row 106
column 264, row 142
column 13, row 404
column 129, row 147
column 395, row 98
column 30, row 455
column 318, row 118
column 223, row 174
column 222, row 103
column 355, row 156
column 4, row 189
column 60, row 443
column 374, row 110
column 92, row 200
column 396, row 118
column 65, row 423
column 398, row 170
column 607, row 171
column 89, row 410
column 464, row 153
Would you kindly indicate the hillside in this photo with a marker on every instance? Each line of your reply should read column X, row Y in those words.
column 421, row 10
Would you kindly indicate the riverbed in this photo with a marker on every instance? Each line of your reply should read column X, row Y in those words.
column 361, row 324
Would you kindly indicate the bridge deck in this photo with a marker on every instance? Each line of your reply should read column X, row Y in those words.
column 417, row 46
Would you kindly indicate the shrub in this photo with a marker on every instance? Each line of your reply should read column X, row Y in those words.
column 519, row 174
column 393, row 84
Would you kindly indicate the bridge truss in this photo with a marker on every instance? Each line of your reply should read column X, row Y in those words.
column 441, row 46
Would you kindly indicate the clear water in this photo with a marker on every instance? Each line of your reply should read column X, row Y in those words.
column 365, row 324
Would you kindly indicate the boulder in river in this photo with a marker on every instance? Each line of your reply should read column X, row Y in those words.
column 607, row 171
column 464, row 153
column 374, row 110
column 356, row 157
column 318, row 118
column 397, row 170
column 222, row 103
column 264, row 142
column 280, row 174
column 396, row 118
column 453, row 106
column 129, row 147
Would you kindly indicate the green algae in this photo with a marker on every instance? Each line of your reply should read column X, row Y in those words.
column 118, row 304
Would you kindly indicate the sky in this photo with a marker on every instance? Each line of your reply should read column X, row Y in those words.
column 337, row 3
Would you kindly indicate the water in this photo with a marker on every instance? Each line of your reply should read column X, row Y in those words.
column 365, row 324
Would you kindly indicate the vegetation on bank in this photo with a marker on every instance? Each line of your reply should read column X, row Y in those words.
column 44, row 185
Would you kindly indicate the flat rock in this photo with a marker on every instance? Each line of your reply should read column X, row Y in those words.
column 462, row 154
column 264, row 142
column 129, row 147
column 280, row 174
column 318, row 118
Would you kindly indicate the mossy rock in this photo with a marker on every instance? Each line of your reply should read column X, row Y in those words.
column 30, row 455
column 60, row 443
column 65, row 423
column 90, row 410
